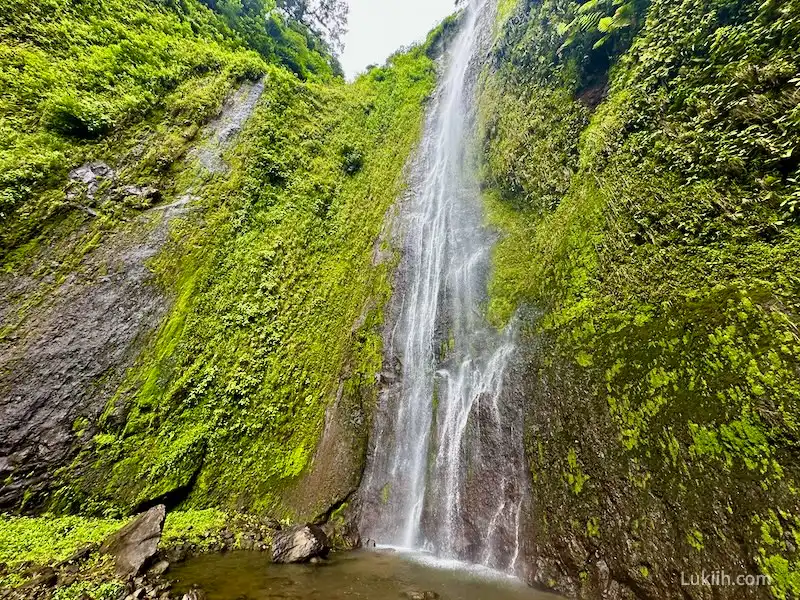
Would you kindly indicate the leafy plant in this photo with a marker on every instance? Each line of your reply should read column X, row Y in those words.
column 604, row 17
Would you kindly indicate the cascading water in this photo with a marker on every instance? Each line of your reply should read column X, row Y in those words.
column 445, row 473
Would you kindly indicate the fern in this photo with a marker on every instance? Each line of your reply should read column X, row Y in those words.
column 605, row 17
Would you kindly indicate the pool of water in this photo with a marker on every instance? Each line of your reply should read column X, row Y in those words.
column 363, row 575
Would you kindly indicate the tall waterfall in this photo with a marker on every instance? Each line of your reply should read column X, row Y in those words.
column 445, row 472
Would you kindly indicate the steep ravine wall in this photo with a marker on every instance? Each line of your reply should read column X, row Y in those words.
column 217, row 346
column 641, row 161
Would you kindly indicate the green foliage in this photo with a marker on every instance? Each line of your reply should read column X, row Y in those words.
column 49, row 539
column 97, row 80
column 278, row 302
column 194, row 527
column 94, row 590
column 659, row 268
column 567, row 43
column 736, row 119
column 531, row 146
column 602, row 19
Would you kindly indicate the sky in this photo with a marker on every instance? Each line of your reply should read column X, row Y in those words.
column 379, row 27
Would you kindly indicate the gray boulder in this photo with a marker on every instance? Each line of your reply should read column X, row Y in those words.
column 136, row 544
column 142, row 193
column 299, row 544
column 87, row 179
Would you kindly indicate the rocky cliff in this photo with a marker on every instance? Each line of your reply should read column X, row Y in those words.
column 195, row 265
column 193, row 269
column 642, row 161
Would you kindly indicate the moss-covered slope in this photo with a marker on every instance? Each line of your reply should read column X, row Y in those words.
column 643, row 161
column 90, row 80
column 279, row 292
column 216, row 345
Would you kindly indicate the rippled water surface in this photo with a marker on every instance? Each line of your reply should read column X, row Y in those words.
column 351, row 576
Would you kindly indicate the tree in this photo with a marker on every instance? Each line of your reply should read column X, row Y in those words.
column 327, row 18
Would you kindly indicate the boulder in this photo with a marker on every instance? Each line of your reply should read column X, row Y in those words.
column 195, row 593
column 143, row 193
column 299, row 544
column 136, row 544
column 87, row 178
column 158, row 569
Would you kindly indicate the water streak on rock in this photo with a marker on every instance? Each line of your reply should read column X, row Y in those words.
column 445, row 473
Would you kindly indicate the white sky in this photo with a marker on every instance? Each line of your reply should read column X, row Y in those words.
column 379, row 27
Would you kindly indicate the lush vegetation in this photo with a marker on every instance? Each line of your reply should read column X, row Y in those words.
column 278, row 300
column 276, row 293
column 70, row 544
column 643, row 162
column 105, row 80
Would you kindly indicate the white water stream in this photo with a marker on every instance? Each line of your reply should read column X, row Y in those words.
column 446, row 470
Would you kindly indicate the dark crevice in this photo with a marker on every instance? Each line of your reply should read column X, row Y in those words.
column 172, row 499
column 323, row 518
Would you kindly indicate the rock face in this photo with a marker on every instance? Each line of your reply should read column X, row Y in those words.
column 299, row 544
column 64, row 360
column 136, row 543
column 87, row 179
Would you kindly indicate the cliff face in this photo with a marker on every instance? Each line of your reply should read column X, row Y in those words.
column 191, row 286
column 195, row 267
column 642, row 161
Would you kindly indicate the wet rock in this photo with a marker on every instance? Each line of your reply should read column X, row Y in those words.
column 176, row 554
column 603, row 575
column 159, row 568
column 299, row 544
column 422, row 595
column 342, row 536
column 140, row 195
column 136, row 543
column 87, row 179
column 247, row 542
column 195, row 594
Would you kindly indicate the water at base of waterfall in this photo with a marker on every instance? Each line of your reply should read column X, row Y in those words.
column 359, row 575
column 446, row 470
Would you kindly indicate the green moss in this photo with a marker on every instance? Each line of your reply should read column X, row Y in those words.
column 49, row 539
column 123, row 83
column 196, row 527
column 574, row 477
column 593, row 527
column 647, row 244
column 695, row 539
column 385, row 491
column 278, row 300
column 89, row 589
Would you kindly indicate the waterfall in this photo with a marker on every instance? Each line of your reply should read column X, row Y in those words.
column 445, row 471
